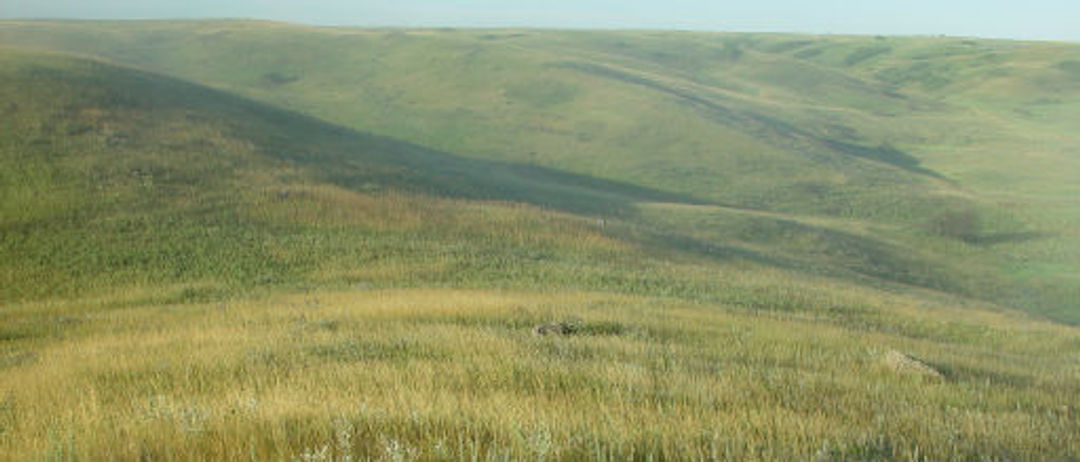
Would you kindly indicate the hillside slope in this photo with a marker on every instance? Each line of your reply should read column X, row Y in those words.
column 549, row 99
column 895, row 158
column 717, row 115
column 194, row 272
column 115, row 176
column 119, row 177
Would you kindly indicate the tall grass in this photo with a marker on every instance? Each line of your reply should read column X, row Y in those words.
column 888, row 135
column 442, row 374
column 186, row 274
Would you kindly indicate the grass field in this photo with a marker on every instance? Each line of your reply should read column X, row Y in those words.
column 451, row 374
column 233, row 240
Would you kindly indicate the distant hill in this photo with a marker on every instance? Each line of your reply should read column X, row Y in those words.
column 234, row 240
column 112, row 175
column 936, row 163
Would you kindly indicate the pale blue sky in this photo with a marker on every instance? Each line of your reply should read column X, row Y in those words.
column 1030, row 19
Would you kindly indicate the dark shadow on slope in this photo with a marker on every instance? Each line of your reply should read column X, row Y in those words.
column 627, row 77
column 865, row 260
column 1010, row 238
column 768, row 128
column 366, row 162
column 362, row 161
column 356, row 160
column 833, row 253
column 353, row 159
column 885, row 154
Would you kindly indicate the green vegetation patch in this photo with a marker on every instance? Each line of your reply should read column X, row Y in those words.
column 547, row 245
column 866, row 53
column 1072, row 67
column 542, row 93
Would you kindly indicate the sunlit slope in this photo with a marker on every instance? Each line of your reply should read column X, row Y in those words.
column 582, row 102
column 112, row 176
column 880, row 128
column 936, row 162
column 893, row 130
column 207, row 254
column 445, row 374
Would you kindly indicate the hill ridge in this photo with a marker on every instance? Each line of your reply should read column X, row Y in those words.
column 477, row 117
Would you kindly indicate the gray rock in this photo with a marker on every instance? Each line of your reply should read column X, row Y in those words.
column 904, row 364
column 558, row 328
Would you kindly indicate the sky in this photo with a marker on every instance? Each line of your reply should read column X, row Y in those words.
column 1028, row 19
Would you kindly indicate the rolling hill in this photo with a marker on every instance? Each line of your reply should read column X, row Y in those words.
column 332, row 239
column 919, row 147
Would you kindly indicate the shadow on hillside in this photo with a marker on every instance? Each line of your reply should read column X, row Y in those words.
column 769, row 128
column 363, row 161
column 831, row 253
column 367, row 162
column 1010, row 238
column 885, row 154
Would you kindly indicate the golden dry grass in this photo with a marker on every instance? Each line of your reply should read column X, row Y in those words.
column 458, row 375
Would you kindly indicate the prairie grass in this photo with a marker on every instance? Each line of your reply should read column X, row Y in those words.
column 451, row 374
column 890, row 135
column 335, row 244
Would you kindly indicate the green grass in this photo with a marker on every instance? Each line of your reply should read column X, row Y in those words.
column 286, row 239
column 908, row 133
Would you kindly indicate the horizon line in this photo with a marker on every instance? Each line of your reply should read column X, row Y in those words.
column 597, row 28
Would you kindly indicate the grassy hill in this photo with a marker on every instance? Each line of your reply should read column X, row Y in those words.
column 932, row 147
column 722, row 107
column 118, row 177
column 229, row 240
column 112, row 173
